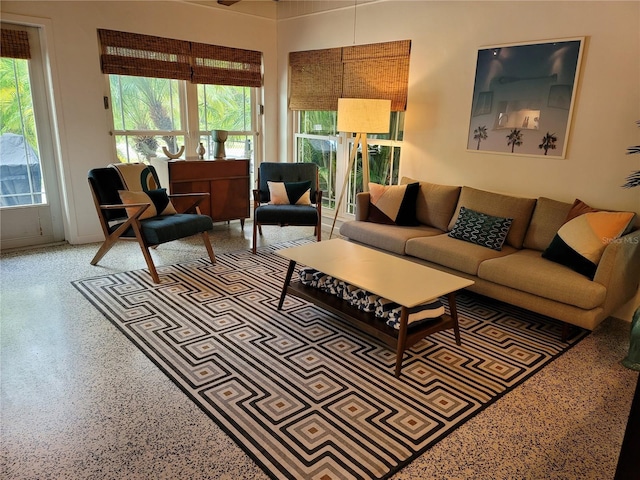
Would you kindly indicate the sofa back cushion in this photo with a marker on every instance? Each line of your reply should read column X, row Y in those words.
column 547, row 218
column 435, row 203
column 499, row 205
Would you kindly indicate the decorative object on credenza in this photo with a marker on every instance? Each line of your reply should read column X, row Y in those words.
column 525, row 88
column 632, row 359
column 360, row 116
column 201, row 151
column 219, row 137
column 173, row 156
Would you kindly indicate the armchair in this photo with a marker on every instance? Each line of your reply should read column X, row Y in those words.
column 146, row 216
column 287, row 194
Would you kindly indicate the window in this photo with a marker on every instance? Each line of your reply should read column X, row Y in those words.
column 317, row 79
column 152, row 114
column 148, row 115
column 21, row 171
column 318, row 142
column 168, row 93
column 230, row 108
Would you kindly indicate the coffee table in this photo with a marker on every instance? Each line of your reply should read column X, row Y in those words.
column 402, row 281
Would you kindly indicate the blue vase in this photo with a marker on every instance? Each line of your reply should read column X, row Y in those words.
column 633, row 358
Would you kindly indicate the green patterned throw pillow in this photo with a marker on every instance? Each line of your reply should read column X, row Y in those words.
column 481, row 229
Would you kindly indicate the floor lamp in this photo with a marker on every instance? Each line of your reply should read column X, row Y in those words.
column 360, row 116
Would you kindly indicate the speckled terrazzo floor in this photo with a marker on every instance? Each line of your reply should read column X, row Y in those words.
column 79, row 401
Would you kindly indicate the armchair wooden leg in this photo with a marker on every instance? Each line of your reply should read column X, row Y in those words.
column 150, row 265
column 145, row 252
column 255, row 236
column 207, row 244
column 104, row 248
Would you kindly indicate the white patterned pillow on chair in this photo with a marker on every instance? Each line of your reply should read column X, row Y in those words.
column 160, row 203
column 290, row 193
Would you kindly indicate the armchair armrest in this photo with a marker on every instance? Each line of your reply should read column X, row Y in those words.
column 619, row 270
column 362, row 205
column 132, row 221
column 196, row 200
column 256, row 195
column 121, row 206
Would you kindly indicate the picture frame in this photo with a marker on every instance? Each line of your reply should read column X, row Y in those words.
column 523, row 97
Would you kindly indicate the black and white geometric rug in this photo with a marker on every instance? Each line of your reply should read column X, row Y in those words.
column 303, row 393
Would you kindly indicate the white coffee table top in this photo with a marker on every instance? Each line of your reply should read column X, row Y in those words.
column 399, row 280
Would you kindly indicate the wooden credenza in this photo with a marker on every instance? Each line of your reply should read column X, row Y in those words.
column 226, row 181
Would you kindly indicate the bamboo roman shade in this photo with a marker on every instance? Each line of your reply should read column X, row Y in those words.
column 316, row 79
column 125, row 53
column 379, row 70
column 14, row 44
column 218, row 65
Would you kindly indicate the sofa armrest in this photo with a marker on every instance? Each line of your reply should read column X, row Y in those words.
column 619, row 270
column 362, row 206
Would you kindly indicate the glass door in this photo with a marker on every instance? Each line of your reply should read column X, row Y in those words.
column 30, row 212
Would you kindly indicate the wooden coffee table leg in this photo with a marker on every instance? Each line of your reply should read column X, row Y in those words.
column 402, row 339
column 292, row 267
column 454, row 315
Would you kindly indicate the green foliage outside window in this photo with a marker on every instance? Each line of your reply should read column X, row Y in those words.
column 156, row 105
column 222, row 107
column 16, row 105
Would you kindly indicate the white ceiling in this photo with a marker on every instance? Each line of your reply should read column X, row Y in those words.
column 281, row 9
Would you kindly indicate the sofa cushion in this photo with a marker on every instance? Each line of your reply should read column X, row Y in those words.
column 435, row 203
column 578, row 208
column 580, row 243
column 548, row 216
column 481, row 229
column 527, row 271
column 386, row 237
column 393, row 204
column 499, row 205
column 453, row 253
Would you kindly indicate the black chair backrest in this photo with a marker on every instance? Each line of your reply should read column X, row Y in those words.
column 286, row 172
column 105, row 183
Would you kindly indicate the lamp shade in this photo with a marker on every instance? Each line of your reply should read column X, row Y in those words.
column 363, row 115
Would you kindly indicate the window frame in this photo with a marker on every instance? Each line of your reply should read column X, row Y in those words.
column 189, row 120
column 344, row 143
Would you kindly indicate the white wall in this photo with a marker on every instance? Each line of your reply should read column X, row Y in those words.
column 445, row 38
column 80, row 86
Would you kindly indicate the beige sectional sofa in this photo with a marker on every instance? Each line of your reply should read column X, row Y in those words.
column 516, row 274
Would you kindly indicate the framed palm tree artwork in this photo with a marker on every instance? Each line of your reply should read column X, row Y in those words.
column 523, row 97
